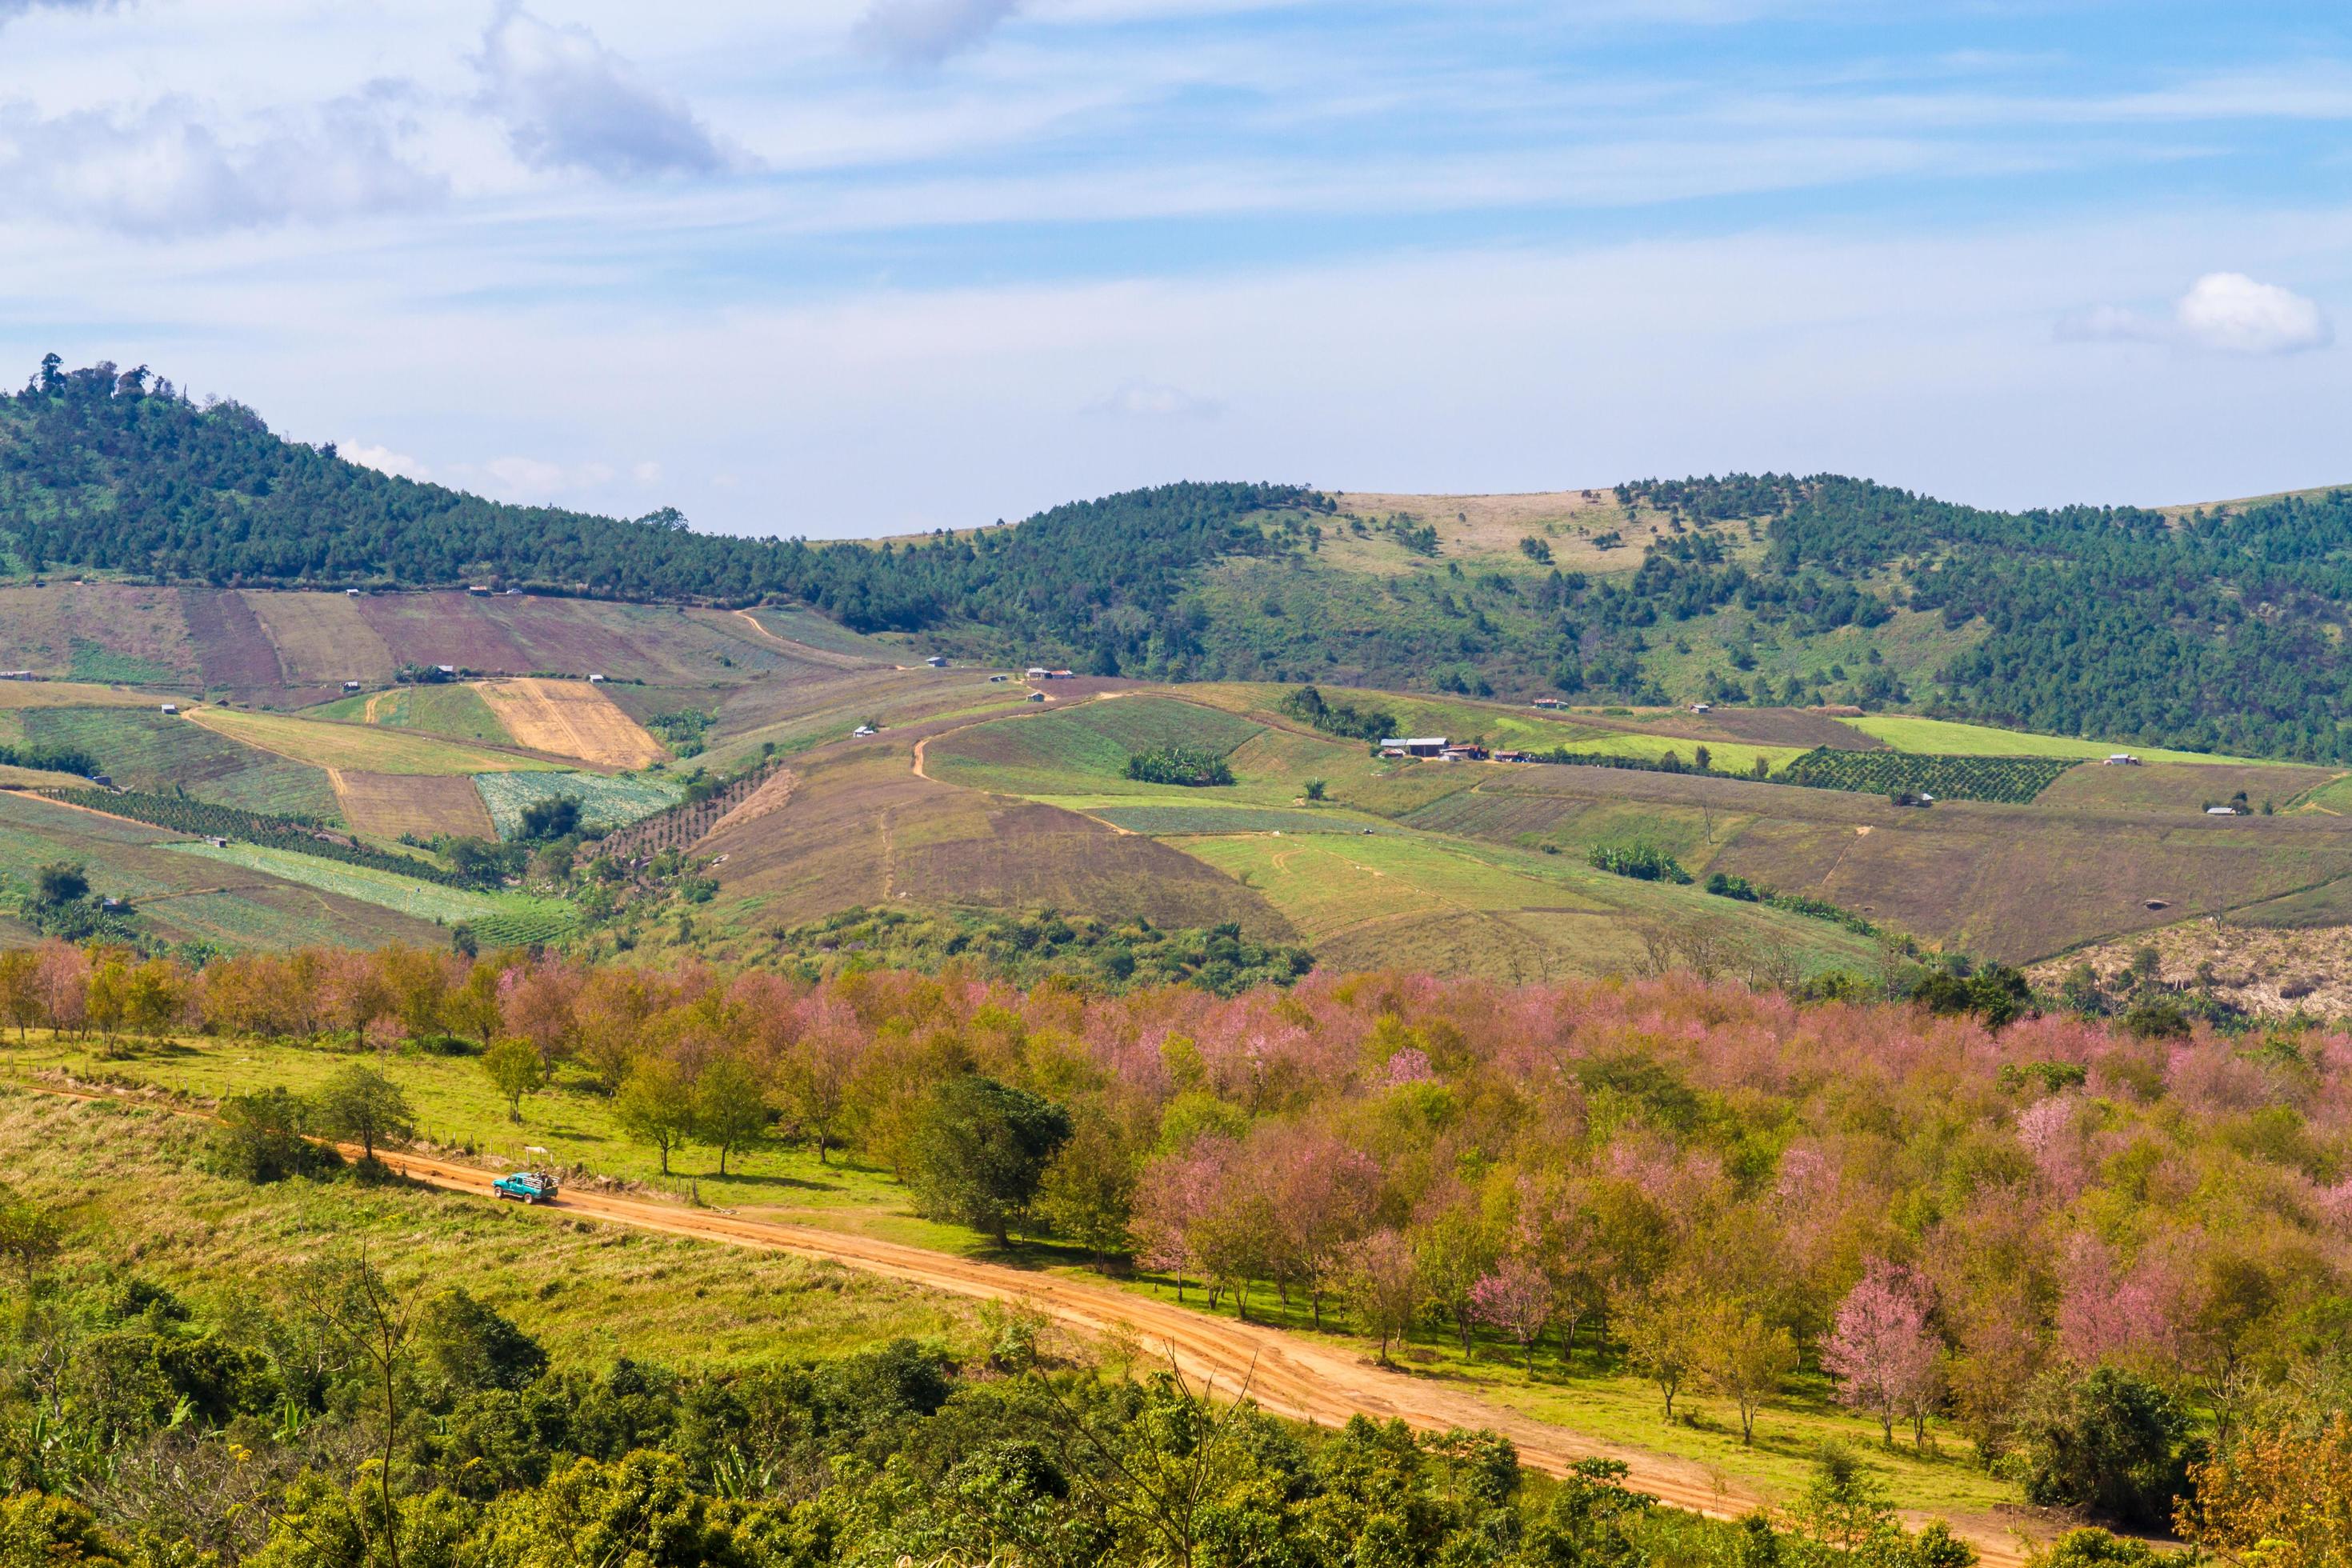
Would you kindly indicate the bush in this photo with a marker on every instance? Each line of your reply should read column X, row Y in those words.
column 1180, row 765
column 2110, row 1442
column 1642, row 862
column 261, row 1139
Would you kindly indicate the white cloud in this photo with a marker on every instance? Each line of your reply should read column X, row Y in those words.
column 1155, row 400
column 169, row 169
column 569, row 103
column 2231, row 311
column 647, row 473
column 382, row 459
column 2227, row 312
column 925, row 32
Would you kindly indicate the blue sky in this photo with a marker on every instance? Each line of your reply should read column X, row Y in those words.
column 862, row 266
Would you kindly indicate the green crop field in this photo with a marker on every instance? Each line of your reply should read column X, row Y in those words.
column 2014, row 779
column 1946, row 737
column 359, row 748
column 1085, row 745
column 455, row 711
column 146, row 748
column 603, row 802
column 424, row 900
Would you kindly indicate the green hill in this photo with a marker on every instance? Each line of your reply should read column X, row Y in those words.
column 2211, row 630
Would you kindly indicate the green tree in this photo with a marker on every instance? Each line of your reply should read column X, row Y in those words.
column 2110, row 1442
column 359, row 1103
column 979, row 1149
column 514, row 1069
column 474, row 1346
column 260, row 1138
column 1744, row 1358
column 1087, row 1193
column 29, row 1235
column 655, row 1106
column 729, row 1110
column 60, row 882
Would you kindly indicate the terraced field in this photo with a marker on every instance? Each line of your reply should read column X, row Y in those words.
column 322, row 638
column 387, row 805
column 182, row 898
column 455, row 711
column 99, row 632
column 603, row 802
column 144, row 749
column 1088, row 744
column 1946, row 737
column 423, row 900
column 571, row 719
column 356, row 747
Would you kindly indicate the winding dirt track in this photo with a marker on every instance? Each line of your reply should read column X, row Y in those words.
column 1286, row 1374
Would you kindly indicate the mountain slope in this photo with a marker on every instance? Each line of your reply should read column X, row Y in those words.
column 2214, row 629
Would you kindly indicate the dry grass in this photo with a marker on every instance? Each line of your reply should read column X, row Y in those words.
column 101, row 631
column 2270, row 973
column 357, row 747
column 1487, row 528
column 571, row 719
column 389, row 805
column 322, row 638
column 24, row 694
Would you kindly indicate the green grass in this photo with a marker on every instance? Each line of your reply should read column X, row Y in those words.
column 1083, row 747
column 92, row 661
column 134, row 1194
column 424, row 900
column 1946, row 738
column 455, row 711
column 603, row 802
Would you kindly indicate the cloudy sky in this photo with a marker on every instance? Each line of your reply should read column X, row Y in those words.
column 841, row 267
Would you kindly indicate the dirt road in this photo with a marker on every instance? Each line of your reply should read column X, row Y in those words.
column 1287, row 1373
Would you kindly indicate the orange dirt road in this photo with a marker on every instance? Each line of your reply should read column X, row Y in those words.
column 1288, row 1373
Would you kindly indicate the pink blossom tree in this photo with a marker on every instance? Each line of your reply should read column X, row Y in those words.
column 1515, row 1299
column 1883, row 1351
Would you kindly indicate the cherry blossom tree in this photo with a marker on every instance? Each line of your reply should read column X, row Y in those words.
column 1515, row 1299
column 1380, row 1278
column 1883, row 1351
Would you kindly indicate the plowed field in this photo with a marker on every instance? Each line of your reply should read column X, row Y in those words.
column 571, row 719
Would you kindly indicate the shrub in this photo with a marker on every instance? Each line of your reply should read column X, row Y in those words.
column 261, row 1139
column 1180, row 765
column 1643, row 862
column 2109, row 1442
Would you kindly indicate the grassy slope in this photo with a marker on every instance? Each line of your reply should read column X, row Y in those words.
column 456, row 712
column 601, row 1303
column 181, row 898
column 134, row 1187
column 146, row 748
column 1946, row 737
column 423, row 901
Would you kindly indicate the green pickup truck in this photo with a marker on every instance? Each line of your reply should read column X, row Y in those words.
column 530, row 1186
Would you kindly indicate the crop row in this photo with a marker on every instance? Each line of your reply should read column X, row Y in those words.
column 2012, row 779
column 205, row 819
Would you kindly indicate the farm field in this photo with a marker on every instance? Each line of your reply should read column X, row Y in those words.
column 356, row 747
column 660, row 644
column 2186, row 788
column 807, row 626
column 18, row 695
column 423, row 901
column 389, row 805
column 96, row 632
column 455, row 711
column 571, row 719
column 1946, row 738
column 233, row 653
column 182, row 899
column 322, row 639
column 144, row 749
column 603, row 802
column 2014, row 779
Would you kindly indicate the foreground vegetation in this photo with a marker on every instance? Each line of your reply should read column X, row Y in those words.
column 2089, row 1251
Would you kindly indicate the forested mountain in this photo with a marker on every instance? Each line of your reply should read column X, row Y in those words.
column 2222, row 631
column 113, row 471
